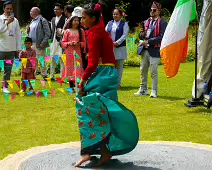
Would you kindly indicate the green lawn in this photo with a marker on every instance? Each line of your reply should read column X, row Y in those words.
column 28, row 121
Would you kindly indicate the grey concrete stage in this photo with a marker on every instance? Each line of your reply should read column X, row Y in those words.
column 146, row 156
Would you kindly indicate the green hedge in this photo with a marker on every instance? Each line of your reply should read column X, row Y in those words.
column 132, row 48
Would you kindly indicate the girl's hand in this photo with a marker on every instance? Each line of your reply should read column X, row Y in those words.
column 70, row 43
column 81, row 86
column 75, row 43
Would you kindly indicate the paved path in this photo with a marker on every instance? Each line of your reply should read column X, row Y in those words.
column 146, row 156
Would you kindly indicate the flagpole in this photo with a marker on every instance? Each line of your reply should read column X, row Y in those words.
column 195, row 101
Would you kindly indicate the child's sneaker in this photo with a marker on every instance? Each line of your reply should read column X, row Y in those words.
column 32, row 90
column 5, row 90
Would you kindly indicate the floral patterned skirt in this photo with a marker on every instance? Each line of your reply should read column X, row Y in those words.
column 102, row 119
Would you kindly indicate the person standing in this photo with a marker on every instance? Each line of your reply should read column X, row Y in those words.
column 57, row 23
column 73, row 41
column 10, row 40
column 68, row 13
column 106, row 126
column 118, row 30
column 154, row 28
column 78, row 12
column 27, row 73
column 40, row 33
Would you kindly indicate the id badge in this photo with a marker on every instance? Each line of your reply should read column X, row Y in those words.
column 11, row 33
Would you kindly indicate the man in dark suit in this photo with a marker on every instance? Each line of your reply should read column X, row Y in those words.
column 151, row 37
column 57, row 23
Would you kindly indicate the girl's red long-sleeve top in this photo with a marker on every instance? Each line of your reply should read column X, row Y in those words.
column 100, row 45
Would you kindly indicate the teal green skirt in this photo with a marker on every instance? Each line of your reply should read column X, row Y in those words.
column 102, row 119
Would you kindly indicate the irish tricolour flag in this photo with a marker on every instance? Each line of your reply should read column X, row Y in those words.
column 174, row 46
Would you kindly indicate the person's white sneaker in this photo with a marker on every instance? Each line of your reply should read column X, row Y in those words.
column 5, row 90
column 153, row 94
column 141, row 92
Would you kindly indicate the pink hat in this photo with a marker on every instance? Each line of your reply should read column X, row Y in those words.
column 156, row 5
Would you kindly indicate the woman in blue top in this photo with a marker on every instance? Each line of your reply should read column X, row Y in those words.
column 118, row 29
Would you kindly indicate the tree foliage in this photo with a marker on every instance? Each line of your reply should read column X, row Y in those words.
column 136, row 10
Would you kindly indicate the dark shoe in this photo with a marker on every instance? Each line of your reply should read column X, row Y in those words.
column 71, row 83
column 209, row 103
column 53, row 79
column 44, row 78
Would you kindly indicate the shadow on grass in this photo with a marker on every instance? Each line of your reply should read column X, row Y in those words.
column 200, row 110
column 128, row 88
column 171, row 98
column 115, row 164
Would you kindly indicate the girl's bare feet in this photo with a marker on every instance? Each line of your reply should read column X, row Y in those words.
column 104, row 158
column 83, row 159
column 105, row 155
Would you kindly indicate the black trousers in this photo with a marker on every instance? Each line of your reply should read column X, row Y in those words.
column 7, row 67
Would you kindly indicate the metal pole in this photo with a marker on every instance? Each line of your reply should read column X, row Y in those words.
column 195, row 101
column 196, row 45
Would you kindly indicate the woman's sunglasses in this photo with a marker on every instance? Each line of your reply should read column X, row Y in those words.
column 153, row 10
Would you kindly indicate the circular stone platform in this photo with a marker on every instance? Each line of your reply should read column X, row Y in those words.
column 146, row 156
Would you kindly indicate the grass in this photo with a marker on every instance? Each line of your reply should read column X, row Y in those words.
column 28, row 121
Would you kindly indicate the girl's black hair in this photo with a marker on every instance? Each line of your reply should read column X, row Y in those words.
column 119, row 10
column 89, row 10
column 79, row 27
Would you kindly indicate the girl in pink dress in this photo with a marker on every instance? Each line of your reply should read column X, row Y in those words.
column 73, row 40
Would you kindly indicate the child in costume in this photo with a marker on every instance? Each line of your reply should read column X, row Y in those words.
column 28, row 72
column 106, row 126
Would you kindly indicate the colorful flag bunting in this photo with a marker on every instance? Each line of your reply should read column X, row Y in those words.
column 33, row 61
column 48, row 51
column 17, row 63
column 49, row 82
column 26, row 82
column 30, row 93
column 8, row 61
column 38, row 94
column 6, row 96
column 78, row 80
column 13, row 96
column 24, row 62
column 70, row 90
column 23, row 47
column 65, row 80
column 41, row 60
column 61, row 89
column 1, row 65
column 53, row 92
column 63, row 56
column 10, row 83
column 77, row 64
column 56, row 58
column 47, row 58
column 21, row 93
column 77, row 56
column 45, row 93
column 32, row 82
column 18, row 83
column 43, row 83
column 60, row 81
